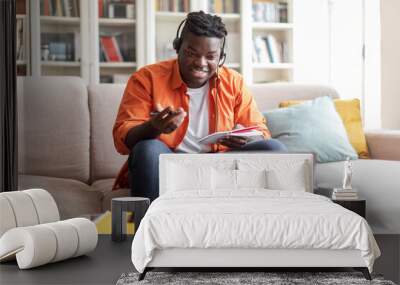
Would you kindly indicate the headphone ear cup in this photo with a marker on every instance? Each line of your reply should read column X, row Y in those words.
column 176, row 44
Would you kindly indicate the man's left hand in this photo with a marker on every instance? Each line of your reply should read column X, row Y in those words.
column 233, row 141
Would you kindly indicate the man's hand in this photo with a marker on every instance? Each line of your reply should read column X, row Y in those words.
column 233, row 141
column 167, row 120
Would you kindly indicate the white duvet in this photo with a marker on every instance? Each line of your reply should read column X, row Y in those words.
column 252, row 218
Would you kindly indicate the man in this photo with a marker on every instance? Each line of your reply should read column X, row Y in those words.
column 167, row 107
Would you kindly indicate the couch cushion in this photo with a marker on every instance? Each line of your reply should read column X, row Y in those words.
column 104, row 186
column 350, row 113
column 73, row 198
column 313, row 126
column 378, row 182
column 53, row 127
column 104, row 100
column 269, row 95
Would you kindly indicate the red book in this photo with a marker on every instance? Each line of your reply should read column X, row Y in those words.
column 46, row 8
column 111, row 49
column 100, row 8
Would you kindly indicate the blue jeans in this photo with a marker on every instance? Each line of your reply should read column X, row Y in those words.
column 144, row 157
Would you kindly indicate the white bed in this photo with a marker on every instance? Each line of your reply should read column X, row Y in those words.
column 236, row 210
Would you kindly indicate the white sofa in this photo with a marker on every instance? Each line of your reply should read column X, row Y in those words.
column 66, row 147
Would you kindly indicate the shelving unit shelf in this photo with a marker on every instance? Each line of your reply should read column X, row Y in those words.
column 144, row 35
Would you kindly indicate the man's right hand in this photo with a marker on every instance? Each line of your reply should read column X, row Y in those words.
column 167, row 119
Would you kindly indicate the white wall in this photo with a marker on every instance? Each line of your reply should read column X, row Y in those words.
column 372, row 72
column 311, row 42
column 390, row 53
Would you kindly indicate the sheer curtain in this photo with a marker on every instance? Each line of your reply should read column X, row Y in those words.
column 8, row 100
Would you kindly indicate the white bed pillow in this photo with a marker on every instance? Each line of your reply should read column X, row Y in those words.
column 293, row 180
column 251, row 178
column 223, row 179
column 290, row 175
column 234, row 179
column 184, row 177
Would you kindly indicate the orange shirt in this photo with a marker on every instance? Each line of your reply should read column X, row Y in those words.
column 230, row 104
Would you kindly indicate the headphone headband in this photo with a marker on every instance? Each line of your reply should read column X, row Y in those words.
column 178, row 42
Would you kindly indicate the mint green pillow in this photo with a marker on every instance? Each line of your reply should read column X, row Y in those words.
column 313, row 126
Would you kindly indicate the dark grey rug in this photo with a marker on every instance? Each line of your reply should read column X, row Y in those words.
column 243, row 278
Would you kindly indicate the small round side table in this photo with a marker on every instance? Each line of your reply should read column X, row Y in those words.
column 120, row 205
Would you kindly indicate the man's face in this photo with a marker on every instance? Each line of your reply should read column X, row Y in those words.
column 198, row 59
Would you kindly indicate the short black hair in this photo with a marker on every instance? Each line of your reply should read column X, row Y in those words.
column 203, row 24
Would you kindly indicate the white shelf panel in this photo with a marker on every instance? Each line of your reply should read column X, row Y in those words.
column 21, row 16
column 21, row 62
column 60, row 20
column 117, row 64
column 116, row 22
column 271, row 26
column 170, row 16
column 61, row 63
column 272, row 65
column 229, row 16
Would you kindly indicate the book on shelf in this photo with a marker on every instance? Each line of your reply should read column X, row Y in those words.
column 110, row 49
column 337, row 196
column 117, row 47
column 223, row 6
column 126, row 44
column 268, row 49
column 61, row 46
column 261, row 49
column 274, row 48
column 20, row 7
column 60, row 8
column 173, row 5
column 337, row 193
column 119, row 9
column 270, row 11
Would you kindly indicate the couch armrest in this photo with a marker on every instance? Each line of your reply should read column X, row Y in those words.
column 383, row 144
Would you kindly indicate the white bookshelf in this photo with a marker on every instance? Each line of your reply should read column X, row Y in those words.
column 272, row 26
column 116, row 22
column 162, row 28
column 22, row 41
column 169, row 16
column 267, row 66
column 271, row 69
column 118, row 64
column 56, row 20
column 152, row 34
column 87, row 30
column 61, row 63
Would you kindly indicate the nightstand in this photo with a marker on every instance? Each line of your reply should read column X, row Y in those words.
column 358, row 206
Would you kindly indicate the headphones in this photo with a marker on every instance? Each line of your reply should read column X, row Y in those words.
column 178, row 42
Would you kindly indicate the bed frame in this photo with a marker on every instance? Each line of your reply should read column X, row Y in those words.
column 249, row 259
column 245, row 259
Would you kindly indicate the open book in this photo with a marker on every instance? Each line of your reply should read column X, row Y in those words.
column 244, row 132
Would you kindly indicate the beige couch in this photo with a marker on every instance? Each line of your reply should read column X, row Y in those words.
column 66, row 147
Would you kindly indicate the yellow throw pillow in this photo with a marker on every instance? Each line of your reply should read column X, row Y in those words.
column 349, row 112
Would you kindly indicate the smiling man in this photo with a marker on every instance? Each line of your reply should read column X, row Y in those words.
column 168, row 106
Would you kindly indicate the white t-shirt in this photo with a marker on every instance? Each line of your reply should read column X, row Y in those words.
column 198, row 121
